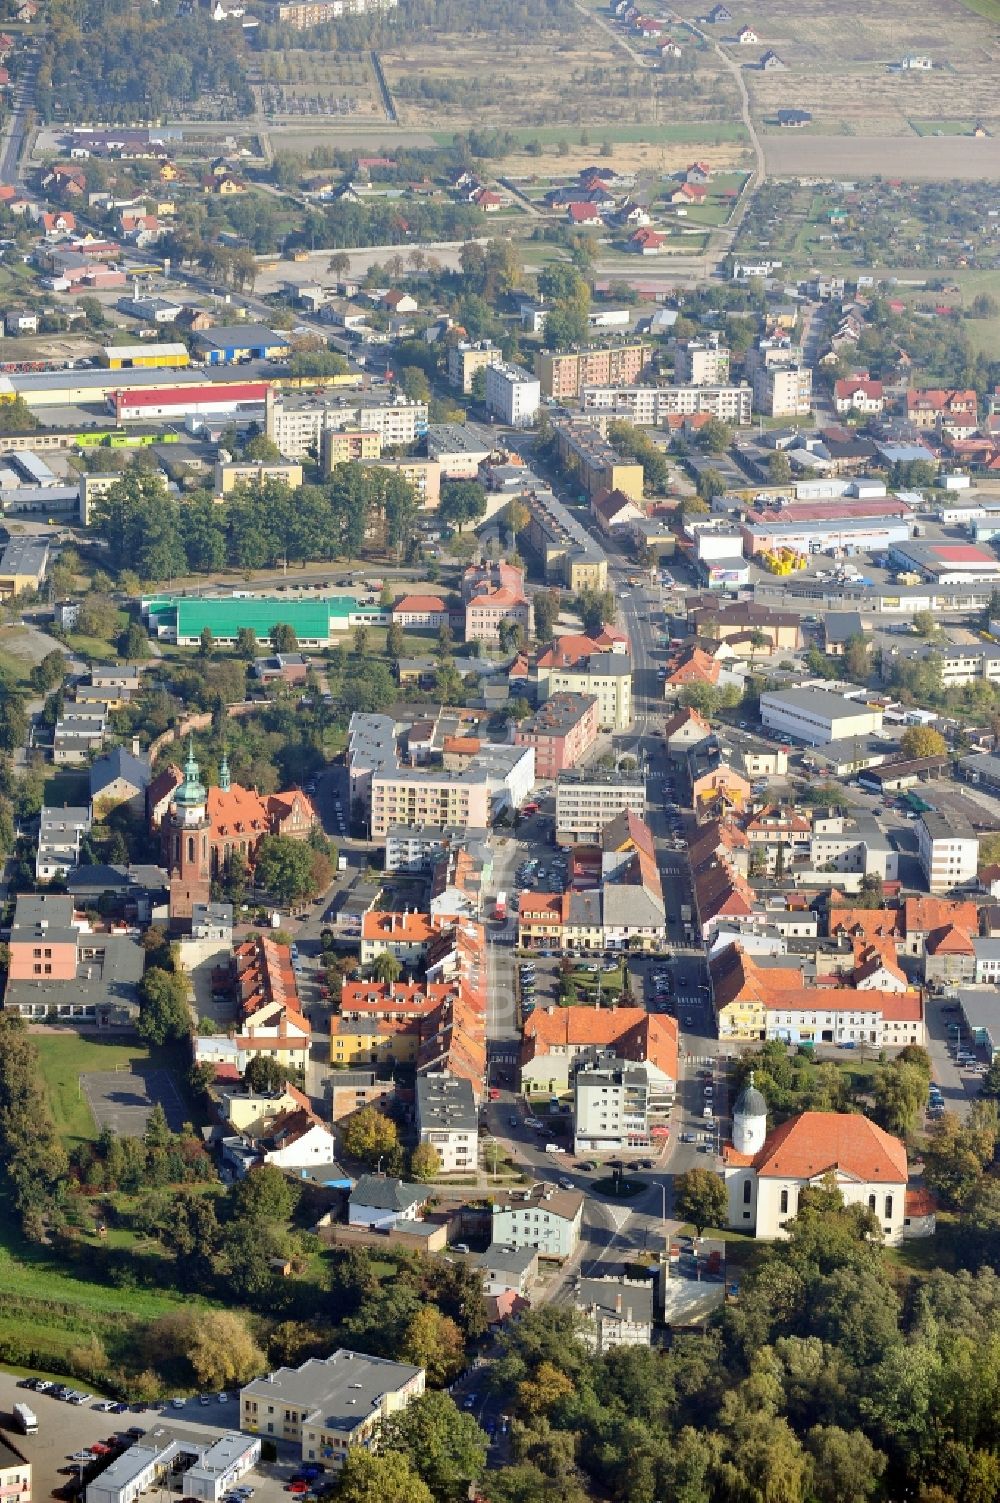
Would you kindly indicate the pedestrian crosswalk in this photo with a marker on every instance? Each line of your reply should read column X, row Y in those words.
column 687, row 1001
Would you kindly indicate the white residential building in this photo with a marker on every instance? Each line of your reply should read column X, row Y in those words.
column 513, row 395
column 585, row 803
column 701, row 362
column 448, row 1120
column 650, row 406
column 948, row 850
column 59, row 836
column 610, row 1108
column 328, row 1405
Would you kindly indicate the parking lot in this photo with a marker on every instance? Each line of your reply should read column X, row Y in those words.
column 65, row 1429
column 122, row 1100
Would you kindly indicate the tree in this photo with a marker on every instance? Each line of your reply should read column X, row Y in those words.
column 134, row 644
column 206, row 642
column 369, row 1135
column 546, row 606
column 922, row 741
column 17, row 417
column 387, row 967
column 925, row 624
column 715, row 436
column 284, row 868
column 461, row 501
column 318, row 363
column 414, row 383
column 164, row 1012
column 433, row 1341
column 264, row 1075
column 596, row 609
column 425, row 1162
column 700, row 1197
column 779, row 469
column 262, row 450
column 216, row 1343
column 445, row 1447
column 49, row 673
column 395, row 641
column 380, row 1477
column 265, row 1194
column 283, row 638
column 246, row 644
column 710, row 484
column 846, row 1466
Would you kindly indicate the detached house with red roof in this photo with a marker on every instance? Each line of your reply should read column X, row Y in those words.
column 934, row 409
column 689, row 193
column 858, row 394
column 583, row 213
column 767, row 1172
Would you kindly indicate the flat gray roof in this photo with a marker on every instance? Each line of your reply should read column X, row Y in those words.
column 446, row 1103
column 339, row 1391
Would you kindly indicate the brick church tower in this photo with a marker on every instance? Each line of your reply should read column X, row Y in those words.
column 186, row 845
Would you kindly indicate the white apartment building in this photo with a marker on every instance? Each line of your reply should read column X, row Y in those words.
column 296, row 421
column 448, row 1120
column 701, row 362
column 585, row 804
column 650, row 406
column 817, row 716
column 610, row 1109
column 59, row 836
column 948, row 850
column 513, row 395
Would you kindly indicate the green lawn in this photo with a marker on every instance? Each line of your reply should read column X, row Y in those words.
column 943, row 127
column 990, row 9
column 63, row 1059
column 93, row 649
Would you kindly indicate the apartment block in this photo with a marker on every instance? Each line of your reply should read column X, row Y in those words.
column 512, row 395
column 297, row 421
column 423, row 474
column 562, row 732
column 563, row 374
column 448, row 1119
column 587, row 802
column 569, row 555
column 600, row 468
column 347, row 445
column 605, row 675
column 650, row 406
column 329, row 1404
column 947, row 849
column 701, row 362
column 610, row 1108
column 465, row 359
column 783, row 390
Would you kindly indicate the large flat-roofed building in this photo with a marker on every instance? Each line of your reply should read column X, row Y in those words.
column 226, row 344
column 948, row 850
column 459, row 448
column 600, row 467
column 23, row 564
column 316, row 622
column 946, row 562
column 564, row 373
column 230, row 473
column 702, row 362
column 301, row 15
column 588, row 801
column 127, row 357
column 817, row 716
column 650, row 406
column 297, row 421
column 513, row 394
column 329, row 1404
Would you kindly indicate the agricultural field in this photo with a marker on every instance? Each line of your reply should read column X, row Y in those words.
column 599, row 76
column 337, row 85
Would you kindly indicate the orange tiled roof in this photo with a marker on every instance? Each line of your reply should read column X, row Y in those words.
column 921, row 915
column 809, row 1145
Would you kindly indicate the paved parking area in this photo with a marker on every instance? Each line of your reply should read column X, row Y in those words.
column 65, row 1428
column 122, row 1100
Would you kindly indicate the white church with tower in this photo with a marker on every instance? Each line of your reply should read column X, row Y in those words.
column 766, row 1172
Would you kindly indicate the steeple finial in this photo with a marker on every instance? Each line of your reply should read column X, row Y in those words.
column 225, row 782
